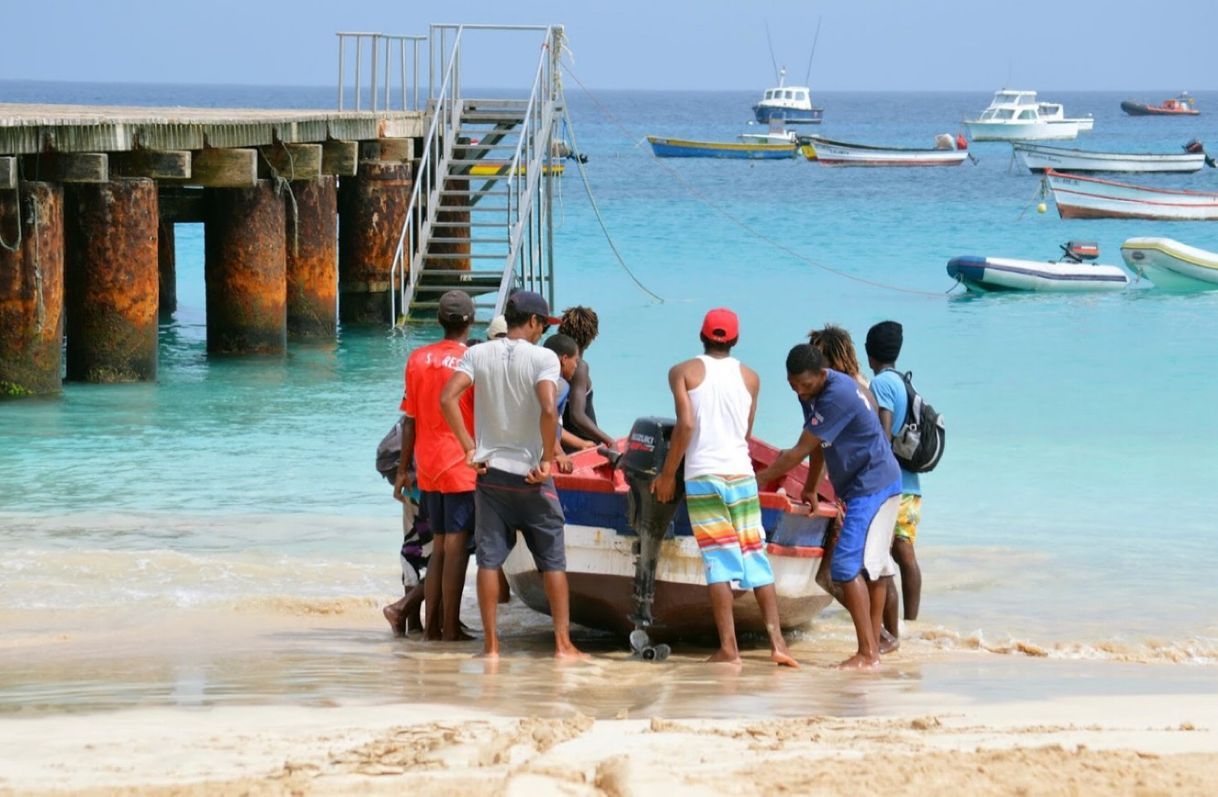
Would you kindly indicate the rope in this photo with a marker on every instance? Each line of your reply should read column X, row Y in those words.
column 592, row 200
column 40, row 318
column 742, row 224
column 282, row 185
column 15, row 247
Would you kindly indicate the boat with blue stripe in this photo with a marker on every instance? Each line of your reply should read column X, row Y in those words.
column 1070, row 274
column 742, row 150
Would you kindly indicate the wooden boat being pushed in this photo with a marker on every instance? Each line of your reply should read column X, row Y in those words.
column 746, row 150
column 1080, row 197
column 838, row 153
column 1039, row 158
column 600, row 557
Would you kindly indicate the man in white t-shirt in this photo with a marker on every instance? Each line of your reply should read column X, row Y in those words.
column 513, row 450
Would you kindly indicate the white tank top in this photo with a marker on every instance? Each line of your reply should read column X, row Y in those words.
column 721, row 421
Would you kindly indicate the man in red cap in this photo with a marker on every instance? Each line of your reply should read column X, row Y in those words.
column 716, row 400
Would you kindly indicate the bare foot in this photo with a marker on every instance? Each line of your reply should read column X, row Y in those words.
column 783, row 658
column 432, row 636
column 860, row 662
column 460, row 636
column 888, row 642
column 569, row 652
column 722, row 656
column 489, row 654
column 396, row 621
column 413, row 627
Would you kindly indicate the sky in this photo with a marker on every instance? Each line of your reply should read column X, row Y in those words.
column 982, row 45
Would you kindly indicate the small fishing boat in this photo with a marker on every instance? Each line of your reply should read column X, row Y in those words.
column 1079, row 197
column 1171, row 265
column 632, row 565
column 1074, row 272
column 947, row 152
column 1018, row 116
column 789, row 104
column 1040, row 158
column 748, row 150
column 1183, row 105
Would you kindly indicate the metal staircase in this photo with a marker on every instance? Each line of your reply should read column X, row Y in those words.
column 479, row 214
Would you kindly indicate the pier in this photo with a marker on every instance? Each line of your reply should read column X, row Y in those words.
column 311, row 217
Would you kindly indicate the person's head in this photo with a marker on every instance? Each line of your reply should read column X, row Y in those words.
column 720, row 331
column 568, row 353
column 528, row 316
column 581, row 325
column 838, row 347
column 884, row 345
column 806, row 371
column 497, row 328
column 456, row 314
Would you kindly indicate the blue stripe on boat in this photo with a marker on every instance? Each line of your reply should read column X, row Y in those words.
column 973, row 267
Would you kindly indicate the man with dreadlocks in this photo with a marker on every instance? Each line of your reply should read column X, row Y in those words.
column 582, row 325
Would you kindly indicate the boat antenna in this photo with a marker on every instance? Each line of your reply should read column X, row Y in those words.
column 770, row 42
column 811, row 55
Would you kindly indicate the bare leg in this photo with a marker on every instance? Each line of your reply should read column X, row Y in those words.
column 505, row 591
column 721, row 607
column 767, row 601
column 488, row 607
column 395, row 613
column 555, row 583
column 433, row 588
column 892, row 609
column 856, row 596
column 414, row 599
column 911, row 576
column 878, row 592
column 823, row 577
column 456, row 560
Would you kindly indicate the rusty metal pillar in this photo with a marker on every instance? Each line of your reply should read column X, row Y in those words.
column 372, row 209
column 312, row 259
column 31, row 290
column 245, row 262
column 110, row 234
column 462, row 232
column 166, row 255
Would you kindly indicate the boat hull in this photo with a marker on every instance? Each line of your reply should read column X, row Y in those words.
column 765, row 114
column 1144, row 109
column 837, row 153
column 994, row 274
column 1039, row 159
column 1032, row 131
column 1171, row 265
column 1080, row 197
column 682, row 148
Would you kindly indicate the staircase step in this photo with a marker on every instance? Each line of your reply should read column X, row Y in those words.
column 464, row 224
column 493, row 115
column 485, row 146
column 463, row 256
column 463, row 132
column 437, row 239
column 459, row 273
column 466, row 161
column 451, row 192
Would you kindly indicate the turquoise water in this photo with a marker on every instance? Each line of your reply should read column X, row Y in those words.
column 1071, row 509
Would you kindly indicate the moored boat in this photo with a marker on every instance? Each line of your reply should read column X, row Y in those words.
column 1171, row 265
column 827, row 152
column 1018, row 116
column 1072, row 273
column 1039, row 158
column 1079, row 197
column 748, row 150
column 1183, row 105
column 602, row 547
column 789, row 104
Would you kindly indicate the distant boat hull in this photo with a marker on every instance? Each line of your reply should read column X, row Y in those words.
column 1037, row 158
column 765, row 114
column 1171, row 265
column 1145, row 109
column 992, row 274
column 1062, row 130
column 681, row 148
column 1080, row 197
column 839, row 153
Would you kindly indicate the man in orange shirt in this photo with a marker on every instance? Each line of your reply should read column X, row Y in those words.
column 446, row 484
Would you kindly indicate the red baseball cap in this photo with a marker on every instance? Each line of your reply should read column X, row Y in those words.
column 721, row 325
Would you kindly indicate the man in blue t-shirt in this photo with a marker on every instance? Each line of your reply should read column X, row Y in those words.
column 883, row 347
column 843, row 434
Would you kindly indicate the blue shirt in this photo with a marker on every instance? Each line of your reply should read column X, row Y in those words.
column 564, row 393
column 858, row 457
column 889, row 390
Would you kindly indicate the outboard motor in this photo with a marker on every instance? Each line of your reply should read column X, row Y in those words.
column 1079, row 251
column 646, row 449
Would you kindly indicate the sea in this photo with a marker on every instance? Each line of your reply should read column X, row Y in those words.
column 222, row 535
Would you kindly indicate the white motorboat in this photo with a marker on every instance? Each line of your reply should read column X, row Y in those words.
column 789, row 104
column 1041, row 158
column 1079, row 197
column 1017, row 116
column 1073, row 273
column 1171, row 265
column 946, row 152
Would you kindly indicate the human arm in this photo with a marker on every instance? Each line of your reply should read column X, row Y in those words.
column 753, row 383
column 665, row 484
column 807, row 445
column 816, row 473
column 578, row 406
column 546, row 392
column 401, row 485
column 572, row 441
column 450, row 405
column 886, row 422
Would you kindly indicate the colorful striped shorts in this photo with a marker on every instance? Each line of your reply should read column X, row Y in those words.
column 725, row 514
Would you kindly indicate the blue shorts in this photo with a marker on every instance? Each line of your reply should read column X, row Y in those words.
column 448, row 512
column 868, row 518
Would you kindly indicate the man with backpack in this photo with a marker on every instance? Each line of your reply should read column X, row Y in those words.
column 892, row 394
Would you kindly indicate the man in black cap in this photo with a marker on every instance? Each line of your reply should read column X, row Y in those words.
column 446, row 485
column 512, row 450
column 884, row 342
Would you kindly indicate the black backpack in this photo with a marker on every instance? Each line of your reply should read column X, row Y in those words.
column 918, row 442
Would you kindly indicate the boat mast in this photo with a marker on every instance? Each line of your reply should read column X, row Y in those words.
column 811, row 55
column 773, row 60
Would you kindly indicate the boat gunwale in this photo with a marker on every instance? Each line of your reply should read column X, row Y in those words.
column 1053, row 173
column 743, row 146
column 1097, row 155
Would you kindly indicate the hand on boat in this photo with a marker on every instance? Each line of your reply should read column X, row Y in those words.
column 564, row 463
column 664, row 487
column 538, row 474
